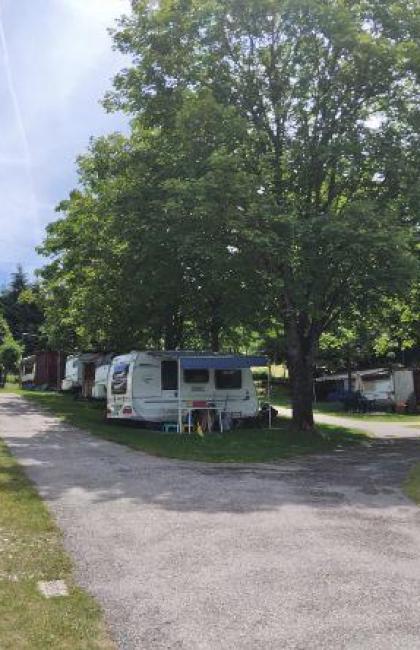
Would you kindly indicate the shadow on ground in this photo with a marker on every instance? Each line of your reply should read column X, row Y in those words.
column 62, row 459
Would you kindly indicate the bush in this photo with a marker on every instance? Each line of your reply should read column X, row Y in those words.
column 10, row 355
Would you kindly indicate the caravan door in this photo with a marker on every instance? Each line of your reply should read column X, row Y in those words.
column 169, row 386
column 88, row 379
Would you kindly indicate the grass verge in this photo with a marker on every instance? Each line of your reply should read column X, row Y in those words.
column 412, row 484
column 31, row 550
column 334, row 408
column 244, row 445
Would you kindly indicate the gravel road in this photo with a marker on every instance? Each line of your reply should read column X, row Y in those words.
column 321, row 552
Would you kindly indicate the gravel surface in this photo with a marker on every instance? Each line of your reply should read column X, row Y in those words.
column 321, row 552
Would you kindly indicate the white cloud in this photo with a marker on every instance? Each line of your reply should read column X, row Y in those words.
column 74, row 44
column 60, row 64
column 104, row 10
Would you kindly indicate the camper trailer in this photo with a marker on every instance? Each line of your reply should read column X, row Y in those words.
column 101, row 381
column 42, row 369
column 73, row 374
column 385, row 387
column 28, row 371
column 81, row 373
column 165, row 387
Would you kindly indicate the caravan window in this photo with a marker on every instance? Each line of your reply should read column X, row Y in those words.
column 196, row 376
column 228, row 379
column 119, row 379
column 169, row 375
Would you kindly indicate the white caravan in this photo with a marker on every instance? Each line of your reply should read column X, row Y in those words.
column 385, row 387
column 87, row 373
column 144, row 386
column 100, row 386
column 28, row 371
column 73, row 375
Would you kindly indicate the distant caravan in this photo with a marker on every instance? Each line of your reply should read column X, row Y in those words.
column 87, row 374
column 382, row 387
column 174, row 387
column 100, row 386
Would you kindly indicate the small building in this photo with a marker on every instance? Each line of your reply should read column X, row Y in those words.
column 44, row 369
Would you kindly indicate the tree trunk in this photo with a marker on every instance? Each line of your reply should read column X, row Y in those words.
column 300, row 352
column 174, row 331
column 349, row 374
column 215, row 325
column 215, row 337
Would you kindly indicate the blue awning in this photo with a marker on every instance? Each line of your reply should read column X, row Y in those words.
column 223, row 362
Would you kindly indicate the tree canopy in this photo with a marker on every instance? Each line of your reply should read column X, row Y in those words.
column 10, row 355
column 19, row 302
column 267, row 182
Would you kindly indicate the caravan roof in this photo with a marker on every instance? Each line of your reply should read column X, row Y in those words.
column 360, row 373
column 194, row 360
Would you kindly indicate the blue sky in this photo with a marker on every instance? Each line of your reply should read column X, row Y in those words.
column 56, row 62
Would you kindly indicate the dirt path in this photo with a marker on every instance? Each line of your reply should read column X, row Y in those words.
column 323, row 552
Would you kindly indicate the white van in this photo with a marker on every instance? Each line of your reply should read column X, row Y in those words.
column 143, row 386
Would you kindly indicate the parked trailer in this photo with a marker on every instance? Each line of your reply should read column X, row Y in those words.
column 73, row 374
column 101, row 381
column 385, row 387
column 28, row 371
column 166, row 387
column 42, row 369
column 81, row 373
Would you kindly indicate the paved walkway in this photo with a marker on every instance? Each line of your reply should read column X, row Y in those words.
column 323, row 552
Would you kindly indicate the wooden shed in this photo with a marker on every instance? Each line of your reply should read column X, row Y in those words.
column 44, row 368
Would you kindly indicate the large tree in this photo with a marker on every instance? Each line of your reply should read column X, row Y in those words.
column 146, row 252
column 327, row 90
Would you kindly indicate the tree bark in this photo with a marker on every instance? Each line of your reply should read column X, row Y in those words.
column 174, row 331
column 300, row 352
column 215, row 325
column 215, row 337
column 349, row 374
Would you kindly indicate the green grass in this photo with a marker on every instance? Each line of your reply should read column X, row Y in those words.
column 280, row 395
column 412, row 484
column 31, row 550
column 334, row 408
column 12, row 387
column 245, row 445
